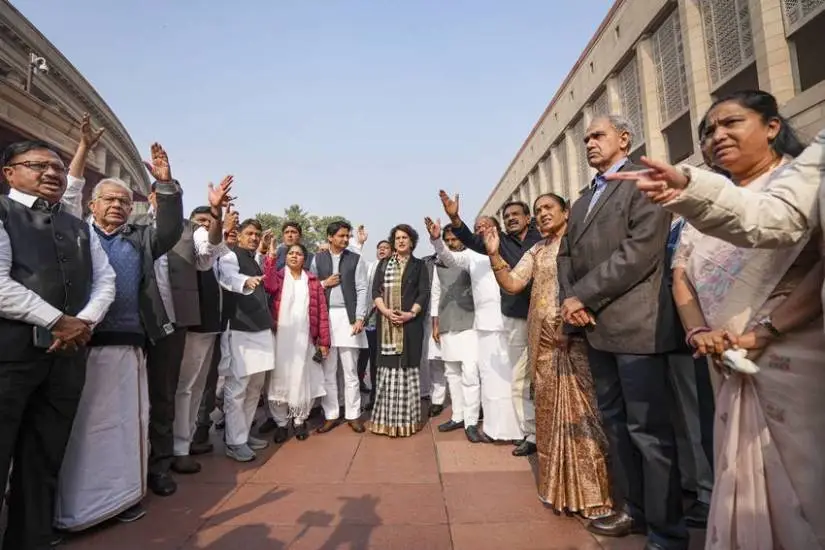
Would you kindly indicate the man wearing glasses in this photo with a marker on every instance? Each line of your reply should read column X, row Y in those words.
column 56, row 284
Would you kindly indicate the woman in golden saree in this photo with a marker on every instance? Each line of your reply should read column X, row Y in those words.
column 571, row 443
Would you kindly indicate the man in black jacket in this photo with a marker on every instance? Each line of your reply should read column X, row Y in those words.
column 520, row 235
column 56, row 284
column 110, row 429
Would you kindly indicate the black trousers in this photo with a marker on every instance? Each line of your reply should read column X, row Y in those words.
column 208, row 399
column 38, row 402
column 372, row 355
column 163, row 361
column 633, row 395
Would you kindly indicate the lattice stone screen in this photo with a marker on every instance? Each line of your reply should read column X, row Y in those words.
column 630, row 94
column 601, row 106
column 728, row 37
column 671, row 77
column 798, row 12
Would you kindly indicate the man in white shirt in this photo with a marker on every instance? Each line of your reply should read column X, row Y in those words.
column 382, row 251
column 495, row 367
column 343, row 275
column 176, row 273
column 55, row 285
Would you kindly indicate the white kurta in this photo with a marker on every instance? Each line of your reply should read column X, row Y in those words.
column 494, row 363
column 105, row 466
column 341, row 330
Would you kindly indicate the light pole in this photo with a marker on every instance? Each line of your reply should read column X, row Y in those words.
column 37, row 64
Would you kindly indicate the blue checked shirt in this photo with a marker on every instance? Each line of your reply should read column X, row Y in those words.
column 599, row 183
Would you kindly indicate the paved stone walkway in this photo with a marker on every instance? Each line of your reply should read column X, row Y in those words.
column 345, row 491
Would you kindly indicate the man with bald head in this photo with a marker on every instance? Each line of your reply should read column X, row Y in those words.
column 612, row 289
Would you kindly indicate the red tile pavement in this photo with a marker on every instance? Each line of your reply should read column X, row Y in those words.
column 351, row 491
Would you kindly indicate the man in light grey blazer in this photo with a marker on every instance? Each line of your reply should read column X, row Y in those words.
column 611, row 277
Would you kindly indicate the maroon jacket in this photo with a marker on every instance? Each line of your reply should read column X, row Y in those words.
column 318, row 314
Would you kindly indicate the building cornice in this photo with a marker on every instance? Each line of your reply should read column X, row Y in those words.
column 63, row 75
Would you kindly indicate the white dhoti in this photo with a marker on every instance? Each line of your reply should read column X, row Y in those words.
column 431, row 370
column 496, row 371
column 105, row 466
column 459, row 351
column 197, row 356
column 516, row 330
column 246, row 358
column 345, row 349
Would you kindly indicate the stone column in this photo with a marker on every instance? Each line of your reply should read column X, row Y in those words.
column 696, row 63
column 532, row 187
column 554, row 167
column 614, row 100
column 572, row 178
column 774, row 63
column 113, row 170
column 655, row 146
column 543, row 174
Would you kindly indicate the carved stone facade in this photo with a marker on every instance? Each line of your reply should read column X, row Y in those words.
column 51, row 109
column 661, row 63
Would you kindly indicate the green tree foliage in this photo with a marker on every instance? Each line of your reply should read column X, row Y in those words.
column 314, row 227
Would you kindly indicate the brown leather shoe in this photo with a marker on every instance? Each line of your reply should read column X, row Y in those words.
column 619, row 524
column 328, row 426
column 356, row 425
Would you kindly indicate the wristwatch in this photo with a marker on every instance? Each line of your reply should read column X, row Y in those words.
column 766, row 323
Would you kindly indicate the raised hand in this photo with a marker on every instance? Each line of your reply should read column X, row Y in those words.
column 450, row 204
column 88, row 135
column 230, row 220
column 219, row 196
column 491, row 240
column 661, row 182
column 159, row 165
column 362, row 235
column 433, row 228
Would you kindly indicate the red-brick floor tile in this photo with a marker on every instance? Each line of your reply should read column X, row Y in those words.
column 395, row 460
column 317, row 459
column 343, row 536
column 329, row 505
column 556, row 533
column 464, row 457
column 503, row 497
column 168, row 523
column 634, row 542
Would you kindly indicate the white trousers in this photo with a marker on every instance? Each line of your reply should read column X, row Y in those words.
column 352, row 392
column 496, row 372
column 438, row 382
column 280, row 414
column 197, row 356
column 516, row 330
column 241, row 397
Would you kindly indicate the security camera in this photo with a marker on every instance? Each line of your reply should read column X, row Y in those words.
column 39, row 64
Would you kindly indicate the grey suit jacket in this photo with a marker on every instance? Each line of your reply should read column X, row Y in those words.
column 614, row 262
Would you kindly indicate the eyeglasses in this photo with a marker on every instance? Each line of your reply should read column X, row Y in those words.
column 41, row 167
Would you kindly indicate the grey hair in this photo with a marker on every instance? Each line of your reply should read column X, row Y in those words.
column 111, row 181
column 623, row 125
